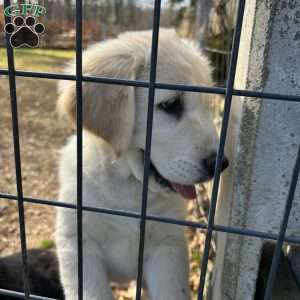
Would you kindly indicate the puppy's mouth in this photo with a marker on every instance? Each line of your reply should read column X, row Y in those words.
column 186, row 191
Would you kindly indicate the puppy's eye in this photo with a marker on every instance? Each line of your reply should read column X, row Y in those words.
column 173, row 106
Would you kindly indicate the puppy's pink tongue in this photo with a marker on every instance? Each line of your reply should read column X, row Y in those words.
column 186, row 191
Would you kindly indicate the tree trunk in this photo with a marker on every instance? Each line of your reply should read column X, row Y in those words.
column 68, row 8
column 202, row 21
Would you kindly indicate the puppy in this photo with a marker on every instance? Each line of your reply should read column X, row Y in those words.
column 43, row 274
column 184, row 147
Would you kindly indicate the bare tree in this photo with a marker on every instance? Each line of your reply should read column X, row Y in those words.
column 219, row 17
column 202, row 21
column 69, row 9
column 214, row 18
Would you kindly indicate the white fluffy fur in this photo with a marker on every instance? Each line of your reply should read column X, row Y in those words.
column 115, row 125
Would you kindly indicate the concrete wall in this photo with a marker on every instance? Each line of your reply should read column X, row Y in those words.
column 262, row 145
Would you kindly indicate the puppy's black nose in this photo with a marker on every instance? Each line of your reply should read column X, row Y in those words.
column 210, row 162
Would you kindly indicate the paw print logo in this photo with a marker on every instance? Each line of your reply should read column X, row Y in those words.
column 24, row 32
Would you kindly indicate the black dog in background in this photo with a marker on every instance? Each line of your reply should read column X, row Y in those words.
column 43, row 274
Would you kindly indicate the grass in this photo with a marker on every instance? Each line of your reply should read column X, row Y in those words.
column 47, row 244
column 45, row 60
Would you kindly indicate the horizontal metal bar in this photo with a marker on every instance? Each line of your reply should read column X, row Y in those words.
column 59, row 76
column 19, row 295
column 158, row 85
column 252, row 233
column 130, row 214
column 190, row 88
column 39, row 74
column 39, row 201
column 266, row 95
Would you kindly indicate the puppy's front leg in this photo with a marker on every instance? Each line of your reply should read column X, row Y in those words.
column 95, row 282
column 167, row 272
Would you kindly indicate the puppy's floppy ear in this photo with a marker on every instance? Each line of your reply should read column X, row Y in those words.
column 108, row 110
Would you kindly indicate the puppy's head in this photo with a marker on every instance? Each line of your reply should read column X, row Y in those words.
column 184, row 142
column 108, row 110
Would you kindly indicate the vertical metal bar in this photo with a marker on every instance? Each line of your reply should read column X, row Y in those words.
column 151, row 96
column 79, row 142
column 16, row 141
column 225, row 121
column 283, row 227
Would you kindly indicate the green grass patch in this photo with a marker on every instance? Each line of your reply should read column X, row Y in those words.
column 47, row 244
column 45, row 60
column 196, row 256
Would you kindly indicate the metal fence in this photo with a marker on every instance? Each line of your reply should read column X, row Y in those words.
column 152, row 85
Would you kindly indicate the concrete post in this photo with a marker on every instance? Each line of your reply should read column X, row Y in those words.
column 262, row 145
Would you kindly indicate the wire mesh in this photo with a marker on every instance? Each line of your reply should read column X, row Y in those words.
column 152, row 85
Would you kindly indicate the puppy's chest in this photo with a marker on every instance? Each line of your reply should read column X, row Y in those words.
column 118, row 240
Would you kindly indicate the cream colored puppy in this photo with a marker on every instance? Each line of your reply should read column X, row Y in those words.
column 183, row 153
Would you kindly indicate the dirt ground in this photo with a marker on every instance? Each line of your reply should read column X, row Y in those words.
column 41, row 137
